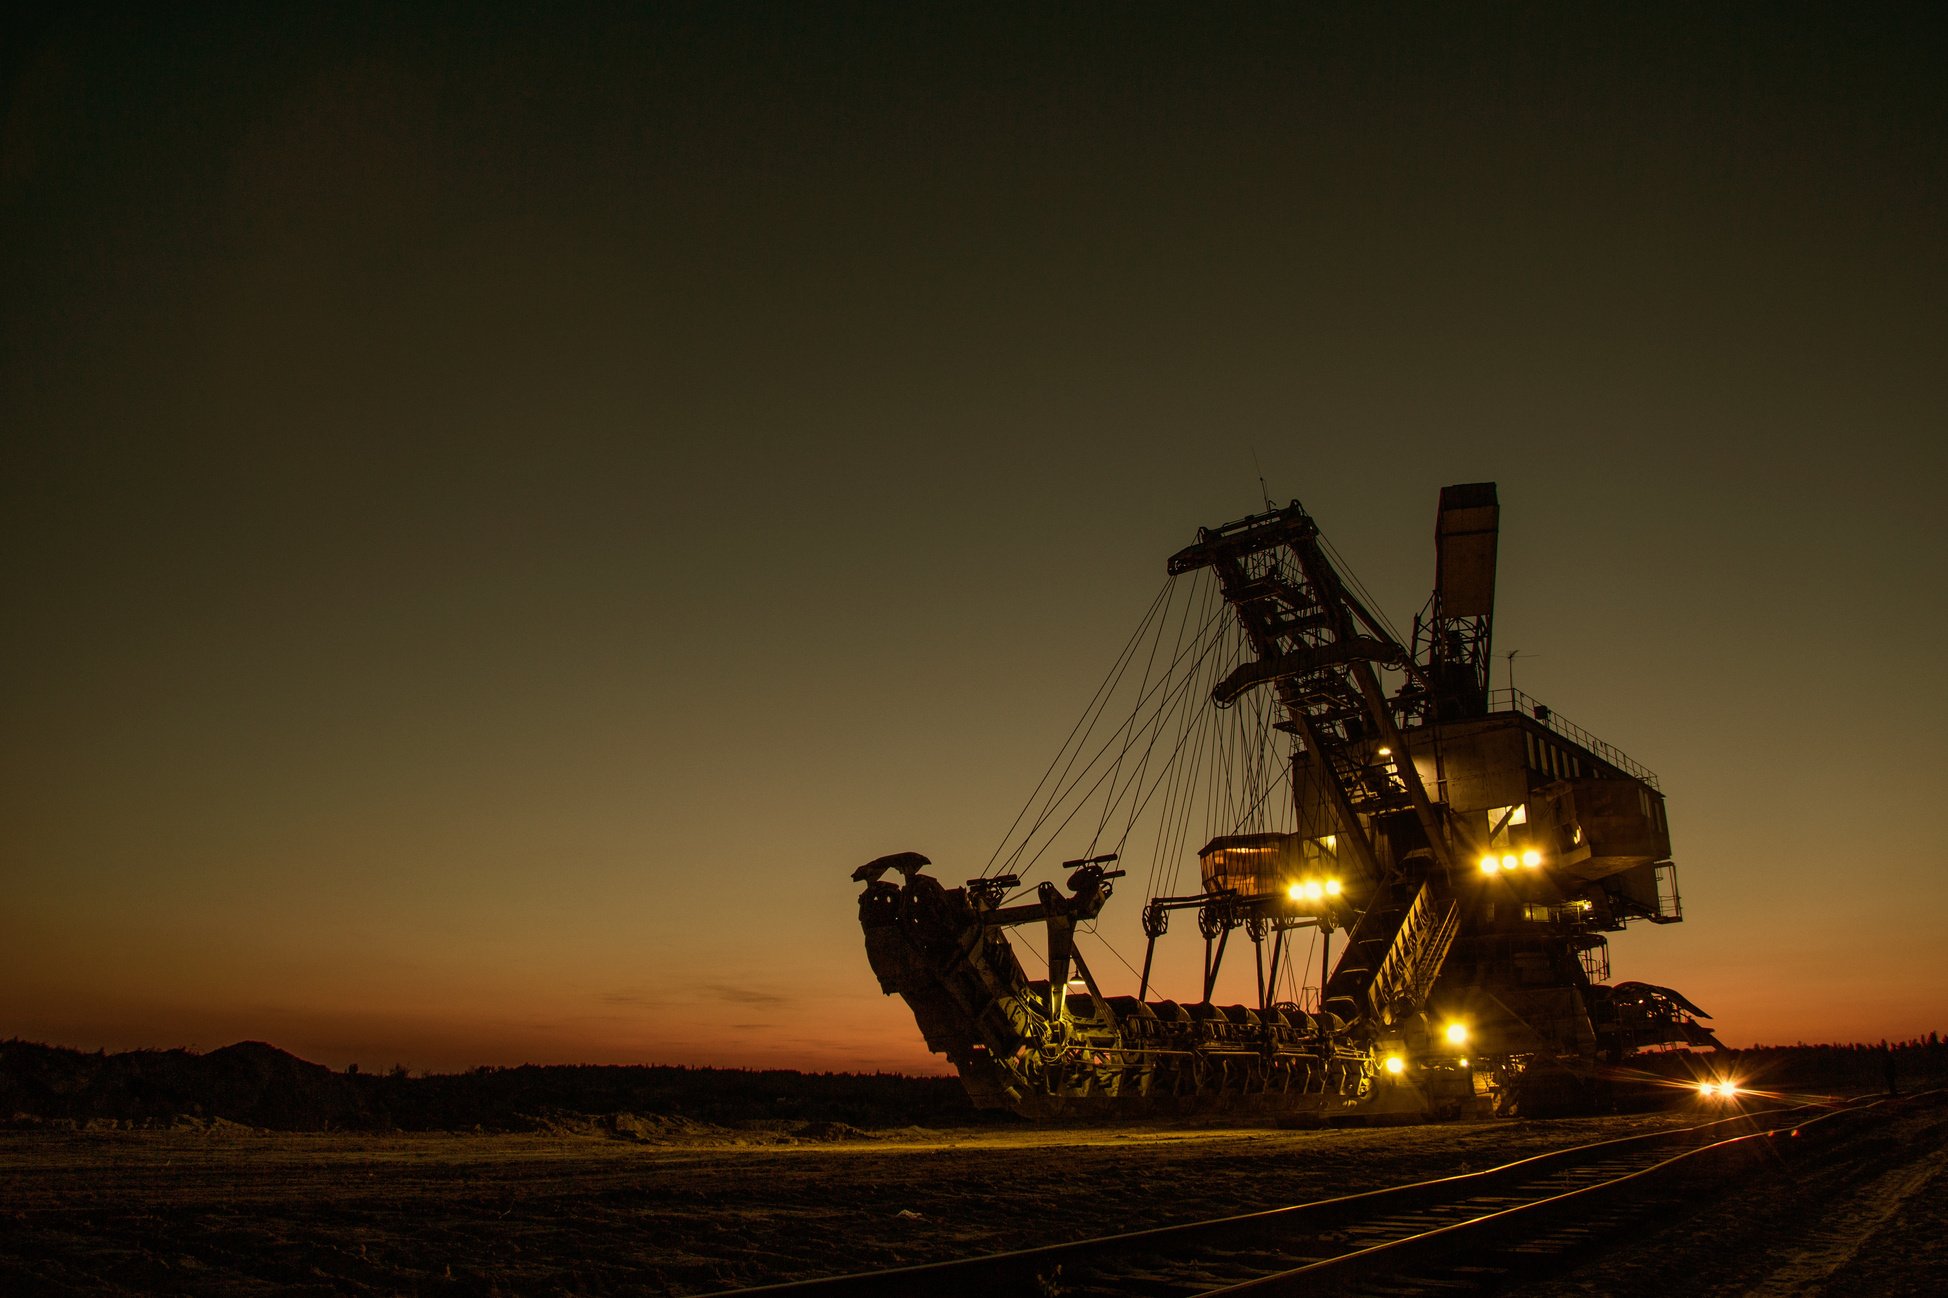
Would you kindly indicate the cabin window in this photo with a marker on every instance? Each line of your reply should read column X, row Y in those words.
column 1502, row 821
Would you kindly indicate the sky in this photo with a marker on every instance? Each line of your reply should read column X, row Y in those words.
column 502, row 510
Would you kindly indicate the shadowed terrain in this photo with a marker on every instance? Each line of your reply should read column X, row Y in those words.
column 258, row 1085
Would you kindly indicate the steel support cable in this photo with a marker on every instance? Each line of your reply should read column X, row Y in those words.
column 1176, row 701
column 1238, row 826
column 1182, row 729
column 1244, row 728
column 1091, row 713
column 1128, row 647
column 1168, row 704
column 1143, row 684
column 1234, row 770
column 1058, row 800
column 1180, row 774
column 1257, row 742
column 1184, row 802
column 1351, row 580
column 1208, row 757
column 1275, row 756
column 1174, row 830
column 1221, row 792
column 1081, row 801
column 1181, row 786
column 1092, row 930
column 1183, row 625
column 1169, row 764
column 1185, row 792
column 1227, row 754
column 1298, row 980
column 1060, row 795
column 1203, row 756
column 1021, row 935
column 1245, row 766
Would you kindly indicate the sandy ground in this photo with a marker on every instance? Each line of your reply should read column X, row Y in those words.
column 1868, row 1217
column 233, row 1211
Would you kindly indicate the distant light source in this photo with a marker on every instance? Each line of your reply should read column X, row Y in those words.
column 1396, row 1065
column 1489, row 864
column 1332, row 887
column 1296, row 892
column 1457, row 1034
column 1385, row 752
column 1313, row 890
column 1531, row 858
column 1510, row 861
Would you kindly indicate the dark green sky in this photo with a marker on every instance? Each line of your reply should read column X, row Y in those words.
column 504, row 509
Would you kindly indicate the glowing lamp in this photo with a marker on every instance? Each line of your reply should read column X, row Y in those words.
column 1489, row 865
column 1457, row 1034
column 1396, row 1065
column 1510, row 861
column 1531, row 858
column 1332, row 887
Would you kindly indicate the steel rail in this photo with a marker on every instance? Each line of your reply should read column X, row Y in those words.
column 1485, row 1240
column 1311, row 1246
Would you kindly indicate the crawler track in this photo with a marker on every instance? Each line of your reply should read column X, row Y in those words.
column 1459, row 1233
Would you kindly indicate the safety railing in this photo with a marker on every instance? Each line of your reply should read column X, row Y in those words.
column 1512, row 700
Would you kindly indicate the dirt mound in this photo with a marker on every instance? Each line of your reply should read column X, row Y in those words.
column 250, row 1083
column 830, row 1131
column 641, row 1128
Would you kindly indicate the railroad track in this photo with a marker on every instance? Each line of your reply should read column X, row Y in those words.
column 1471, row 1232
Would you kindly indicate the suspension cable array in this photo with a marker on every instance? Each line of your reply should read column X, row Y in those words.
column 1150, row 763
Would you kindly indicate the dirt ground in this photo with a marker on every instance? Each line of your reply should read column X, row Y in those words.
column 1870, row 1216
column 231, row 1211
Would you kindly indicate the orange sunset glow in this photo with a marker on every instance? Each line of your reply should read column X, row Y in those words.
column 498, row 525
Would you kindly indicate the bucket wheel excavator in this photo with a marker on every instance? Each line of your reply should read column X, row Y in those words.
column 1470, row 849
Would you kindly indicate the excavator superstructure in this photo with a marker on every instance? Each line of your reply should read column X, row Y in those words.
column 1473, row 849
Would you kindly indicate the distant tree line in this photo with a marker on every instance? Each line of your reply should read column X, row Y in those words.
column 1855, row 1066
column 260, row 1085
